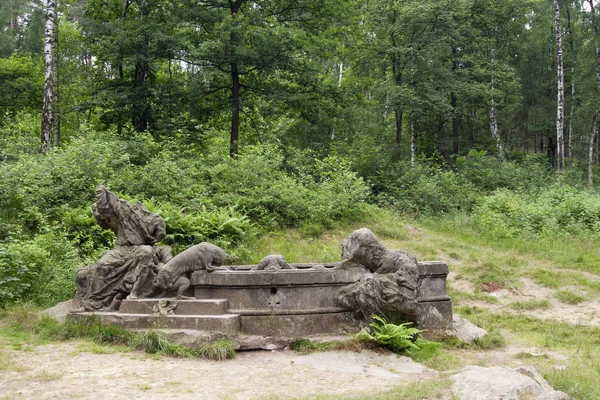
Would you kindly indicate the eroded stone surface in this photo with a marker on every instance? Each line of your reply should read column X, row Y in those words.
column 493, row 383
column 272, row 262
column 129, row 268
column 390, row 288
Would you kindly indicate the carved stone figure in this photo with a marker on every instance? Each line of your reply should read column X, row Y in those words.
column 175, row 274
column 129, row 269
column 389, row 284
column 273, row 262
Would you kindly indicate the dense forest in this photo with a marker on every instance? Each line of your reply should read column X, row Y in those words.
column 233, row 118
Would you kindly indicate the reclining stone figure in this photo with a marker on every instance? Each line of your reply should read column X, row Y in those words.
column 175, row 274
column 389, row 284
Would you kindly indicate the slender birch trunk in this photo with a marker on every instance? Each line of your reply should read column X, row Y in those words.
column 572, row 113
column 560, row 104
column 590, row 170
column 596, row 111
column 56, row 94
column 494, row 121
column 413, row 140
column 49, row 80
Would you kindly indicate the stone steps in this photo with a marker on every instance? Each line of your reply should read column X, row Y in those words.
column 183, row 307
column 227, row 324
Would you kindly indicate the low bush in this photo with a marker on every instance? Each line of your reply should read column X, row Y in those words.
column 557, row 210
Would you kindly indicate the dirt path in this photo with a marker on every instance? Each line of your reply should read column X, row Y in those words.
column 64, row 371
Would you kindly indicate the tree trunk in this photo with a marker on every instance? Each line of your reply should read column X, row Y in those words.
column 455, row 123
column 399, row 115
column 572, row 113
column 494, row 132
column 235, row 111
column 590, row 170
column 56, row 99
column 560, row 104
column 140, row 113
column 596, row 111
column 413, row 140
column 234, row 7
column 47, row 120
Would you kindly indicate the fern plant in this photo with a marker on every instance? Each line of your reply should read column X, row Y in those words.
column 397, row 338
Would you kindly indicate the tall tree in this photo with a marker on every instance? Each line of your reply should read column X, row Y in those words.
column 48, row 122
column 560, row 102
column 255, row 48
column 596, row 110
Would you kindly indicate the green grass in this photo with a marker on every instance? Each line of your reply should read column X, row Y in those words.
column 531, row 305
column 569, row 297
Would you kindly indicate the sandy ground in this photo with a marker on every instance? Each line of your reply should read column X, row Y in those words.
column 64, row 371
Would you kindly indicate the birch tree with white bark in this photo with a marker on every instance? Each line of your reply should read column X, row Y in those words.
column 560, row 102
column 49, row 75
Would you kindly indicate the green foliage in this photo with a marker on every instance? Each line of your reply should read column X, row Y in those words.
column 42, row 268
column 398, row 338
column 424, row 189
column 558, row 210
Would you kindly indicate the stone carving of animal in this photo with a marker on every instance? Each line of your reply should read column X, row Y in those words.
column 175, row 274
column 273, row 262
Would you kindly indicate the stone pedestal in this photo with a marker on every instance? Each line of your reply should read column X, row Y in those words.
column 435, row 306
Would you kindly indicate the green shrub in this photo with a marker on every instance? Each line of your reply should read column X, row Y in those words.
column 425, row 189
column 557, row 210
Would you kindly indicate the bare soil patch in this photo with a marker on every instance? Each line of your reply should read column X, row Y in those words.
column 62, row 370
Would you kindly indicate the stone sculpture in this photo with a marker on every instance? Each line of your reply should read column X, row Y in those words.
column 129, row 269
column 388, row 285
column 273, row 262
column 175, row 274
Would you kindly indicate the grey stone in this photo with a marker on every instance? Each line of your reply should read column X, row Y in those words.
column 272, row 262
column 466, row 331
column 59, row 311
column 129, row 269
column 493, row 383
column 174, row 275
column 259, row 342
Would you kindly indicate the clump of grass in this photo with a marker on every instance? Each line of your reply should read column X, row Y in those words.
column 219, row 350
column 306, row 346
column 569, row 297
column 154, row 342
column 531, row 305
column 493, row 340
column 580, row 379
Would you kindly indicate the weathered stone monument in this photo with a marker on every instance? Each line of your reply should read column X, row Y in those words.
column 140, row 285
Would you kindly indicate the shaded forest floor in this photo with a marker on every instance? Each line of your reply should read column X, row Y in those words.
column 538, row 298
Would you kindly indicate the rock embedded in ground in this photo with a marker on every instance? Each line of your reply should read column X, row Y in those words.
column 59, row 311
column 493, row 383
column 466, row 331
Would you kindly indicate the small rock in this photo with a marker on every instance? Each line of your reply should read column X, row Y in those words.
column 465, row 330
column 59, row 311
